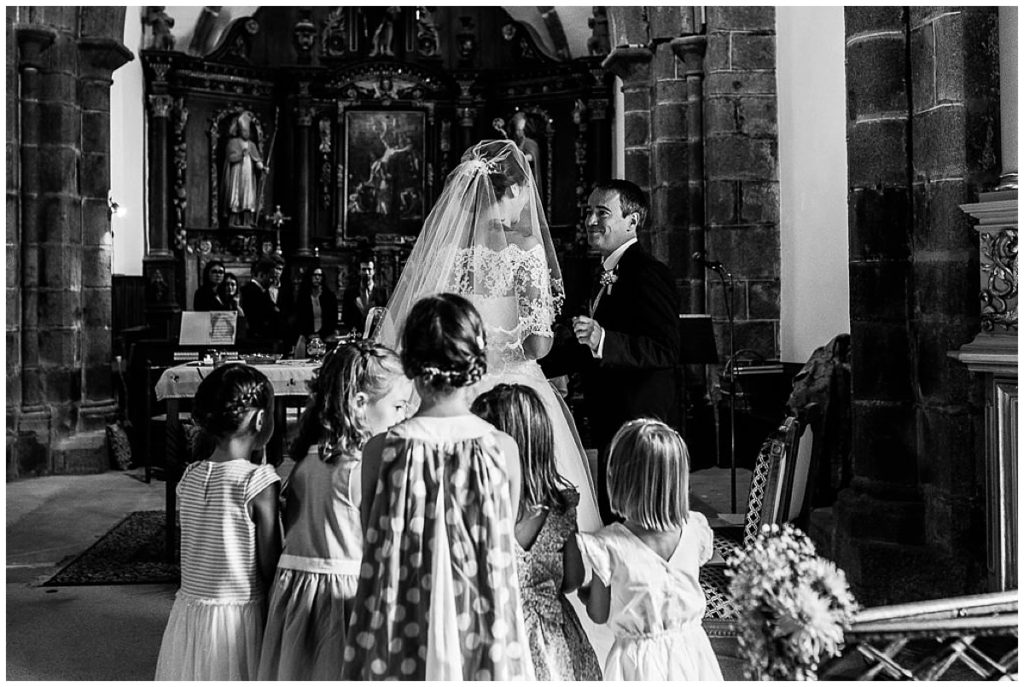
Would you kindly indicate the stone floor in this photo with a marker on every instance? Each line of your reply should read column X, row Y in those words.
column 113, row 632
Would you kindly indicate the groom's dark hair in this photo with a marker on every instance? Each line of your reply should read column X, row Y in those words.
column 631, row 198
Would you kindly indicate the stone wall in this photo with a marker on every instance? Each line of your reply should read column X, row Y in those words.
column 922, row 129
column 58, row 235
column 739, row 156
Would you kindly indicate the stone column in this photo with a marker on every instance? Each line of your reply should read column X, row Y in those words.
column 32, row 41
column 303, row 120
column 690, row 50
column 99, row 57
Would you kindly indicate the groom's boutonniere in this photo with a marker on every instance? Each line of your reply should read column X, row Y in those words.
column 608, row 278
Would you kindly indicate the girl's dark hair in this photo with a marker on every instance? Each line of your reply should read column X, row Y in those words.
column 209, row 266
column 332, row 417
column 443, row 343
column 518, row 411
column 226, row 394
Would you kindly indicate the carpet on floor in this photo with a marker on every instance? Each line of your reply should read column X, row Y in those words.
column 132, row 552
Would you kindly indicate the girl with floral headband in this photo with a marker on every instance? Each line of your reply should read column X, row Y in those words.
column 438, row 597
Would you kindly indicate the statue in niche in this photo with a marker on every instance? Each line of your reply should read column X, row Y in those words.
column 384, row 37
column 242, row 161
column 161, row 24
column 599, row 43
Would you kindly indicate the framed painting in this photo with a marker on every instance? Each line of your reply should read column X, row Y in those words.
column 385, row 172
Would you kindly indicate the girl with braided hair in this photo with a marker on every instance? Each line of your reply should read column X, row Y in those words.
column 438, row 596
column 359, row 391
column 230, row 535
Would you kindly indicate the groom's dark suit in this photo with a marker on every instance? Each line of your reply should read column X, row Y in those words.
column 635, row 376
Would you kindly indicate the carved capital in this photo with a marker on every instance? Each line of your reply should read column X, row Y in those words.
column 160, row 106
column 33, row 40
column 629, row 62
column 103, row 55
column 599, row 108
column 690, row 50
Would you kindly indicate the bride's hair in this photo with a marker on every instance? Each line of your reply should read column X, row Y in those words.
column 443, row 343
column 503, row 169
column 518, row 411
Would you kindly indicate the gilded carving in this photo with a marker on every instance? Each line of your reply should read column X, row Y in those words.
column 999, row 270
column 427, row 37
column 325, row 162
column 334, row 40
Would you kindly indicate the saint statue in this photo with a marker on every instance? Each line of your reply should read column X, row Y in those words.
column 242, row 161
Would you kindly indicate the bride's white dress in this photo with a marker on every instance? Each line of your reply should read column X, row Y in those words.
column 511, row 292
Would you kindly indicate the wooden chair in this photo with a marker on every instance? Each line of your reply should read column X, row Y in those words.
column 780, row 473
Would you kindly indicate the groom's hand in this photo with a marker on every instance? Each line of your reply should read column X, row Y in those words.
column 588, row 332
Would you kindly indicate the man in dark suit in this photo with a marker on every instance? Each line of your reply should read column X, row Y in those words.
column 261, row 313
column 627, row 347
column 361, row 296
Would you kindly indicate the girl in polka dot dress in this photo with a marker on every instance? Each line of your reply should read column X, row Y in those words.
column 549, row 561
column 438, row 595
column 359, row 391
column 230, row 535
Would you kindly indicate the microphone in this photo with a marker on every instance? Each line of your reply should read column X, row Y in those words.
column 702, row 258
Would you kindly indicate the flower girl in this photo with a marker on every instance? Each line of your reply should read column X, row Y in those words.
column 437, row 596
column 549, row 563
column 230, row 536
column 359, row 391
column 645, row 569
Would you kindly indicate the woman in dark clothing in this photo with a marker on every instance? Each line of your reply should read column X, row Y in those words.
column 228, row 292
column 316, row 307
column 207, row 296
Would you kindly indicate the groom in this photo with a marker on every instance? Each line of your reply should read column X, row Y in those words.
column 627, row 348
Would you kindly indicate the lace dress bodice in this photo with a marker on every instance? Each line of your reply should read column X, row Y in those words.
column 511, row 288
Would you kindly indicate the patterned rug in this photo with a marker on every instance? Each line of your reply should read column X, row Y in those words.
column 132, row 552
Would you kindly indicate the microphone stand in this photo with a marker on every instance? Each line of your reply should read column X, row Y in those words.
column 728, row 287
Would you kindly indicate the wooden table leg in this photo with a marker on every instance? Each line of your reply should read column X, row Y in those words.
column 172, row 461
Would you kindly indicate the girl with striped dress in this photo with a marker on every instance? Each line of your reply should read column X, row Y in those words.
column 230, row 535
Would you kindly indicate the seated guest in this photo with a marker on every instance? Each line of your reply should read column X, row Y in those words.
column 207, row 296
column 261, row 313
column 316, row 308
column 228, row 292
column 361, row 296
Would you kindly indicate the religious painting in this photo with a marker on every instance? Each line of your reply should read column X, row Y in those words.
column 385, row 161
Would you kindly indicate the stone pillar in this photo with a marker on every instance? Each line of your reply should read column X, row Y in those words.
column 303, row 120
column 100, row 55
column 741, row 158
column 30, row 454
column 921, row 99
column 690, row 50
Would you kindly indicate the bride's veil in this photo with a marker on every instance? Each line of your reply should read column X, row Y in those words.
column 489, row 201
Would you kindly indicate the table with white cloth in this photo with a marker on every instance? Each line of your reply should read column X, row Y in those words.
column 290, row 379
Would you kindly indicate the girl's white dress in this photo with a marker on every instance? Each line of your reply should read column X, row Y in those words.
column 318, row 571
column 216, row 624
column 656, row 605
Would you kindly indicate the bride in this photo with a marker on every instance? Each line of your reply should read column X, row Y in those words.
column 487, row 239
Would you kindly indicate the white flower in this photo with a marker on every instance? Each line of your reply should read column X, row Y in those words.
column 608, row 277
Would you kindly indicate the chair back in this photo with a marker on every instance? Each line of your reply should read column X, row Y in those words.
column 771, row 484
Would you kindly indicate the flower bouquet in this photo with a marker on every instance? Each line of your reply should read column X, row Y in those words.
column 794, row 605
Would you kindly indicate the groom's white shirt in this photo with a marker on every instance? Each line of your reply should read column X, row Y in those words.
column 610, row 263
